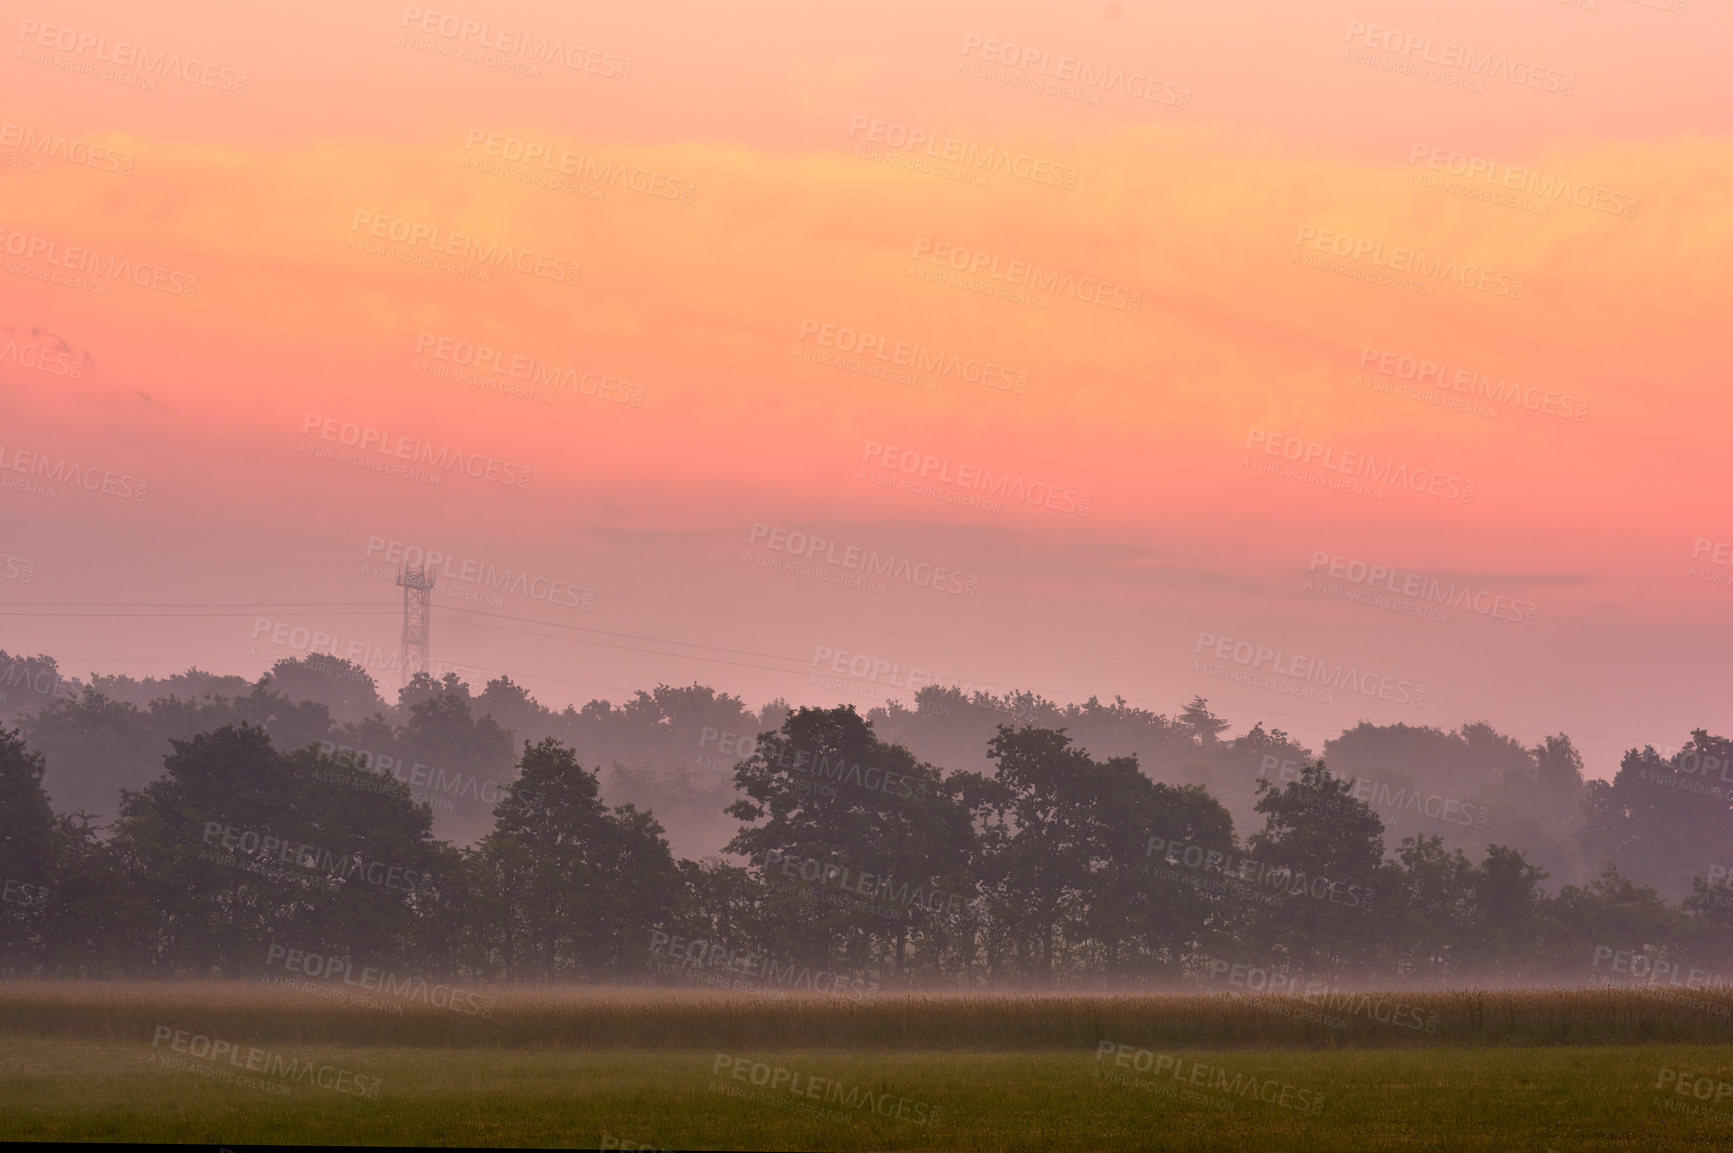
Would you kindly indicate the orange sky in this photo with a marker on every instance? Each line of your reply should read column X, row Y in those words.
column 1300, row 211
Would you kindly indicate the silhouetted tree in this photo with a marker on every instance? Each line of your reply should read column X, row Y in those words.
column 570, row 889
column 1508, row 925
column 26, row 848
column 1663, row 821
column 345, row 688
column 1321, row 854
column 851, row 838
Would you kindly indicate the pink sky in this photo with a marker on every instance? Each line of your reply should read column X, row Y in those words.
column 1277, row 159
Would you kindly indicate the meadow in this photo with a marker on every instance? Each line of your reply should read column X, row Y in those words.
column 1563, row 1070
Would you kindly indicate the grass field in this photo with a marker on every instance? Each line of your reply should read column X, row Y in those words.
column 1535, row 1072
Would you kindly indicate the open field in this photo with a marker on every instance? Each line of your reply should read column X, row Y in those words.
column 1566, row 1099
column 77, row 1062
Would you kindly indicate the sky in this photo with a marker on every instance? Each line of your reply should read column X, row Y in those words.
column 1334, row 362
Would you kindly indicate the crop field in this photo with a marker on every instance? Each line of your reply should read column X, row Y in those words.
column 234, row 1063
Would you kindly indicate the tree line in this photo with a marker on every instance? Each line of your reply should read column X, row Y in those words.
column 267, row 829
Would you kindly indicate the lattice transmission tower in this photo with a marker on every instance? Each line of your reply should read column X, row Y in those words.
column 417, row 584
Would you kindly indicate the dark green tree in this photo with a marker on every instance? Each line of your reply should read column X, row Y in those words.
column 1320, row 857
column 859, row 846
column 98, row 921
column 345, row 688
column 1664, row 820
column 1508, row 926
column 1147, row 917
column 574, row 889
column 1065, row 858
column 1434, row 899
column 1610, row 911
column 239, row 847
column 94, row 747
column 27, row 828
